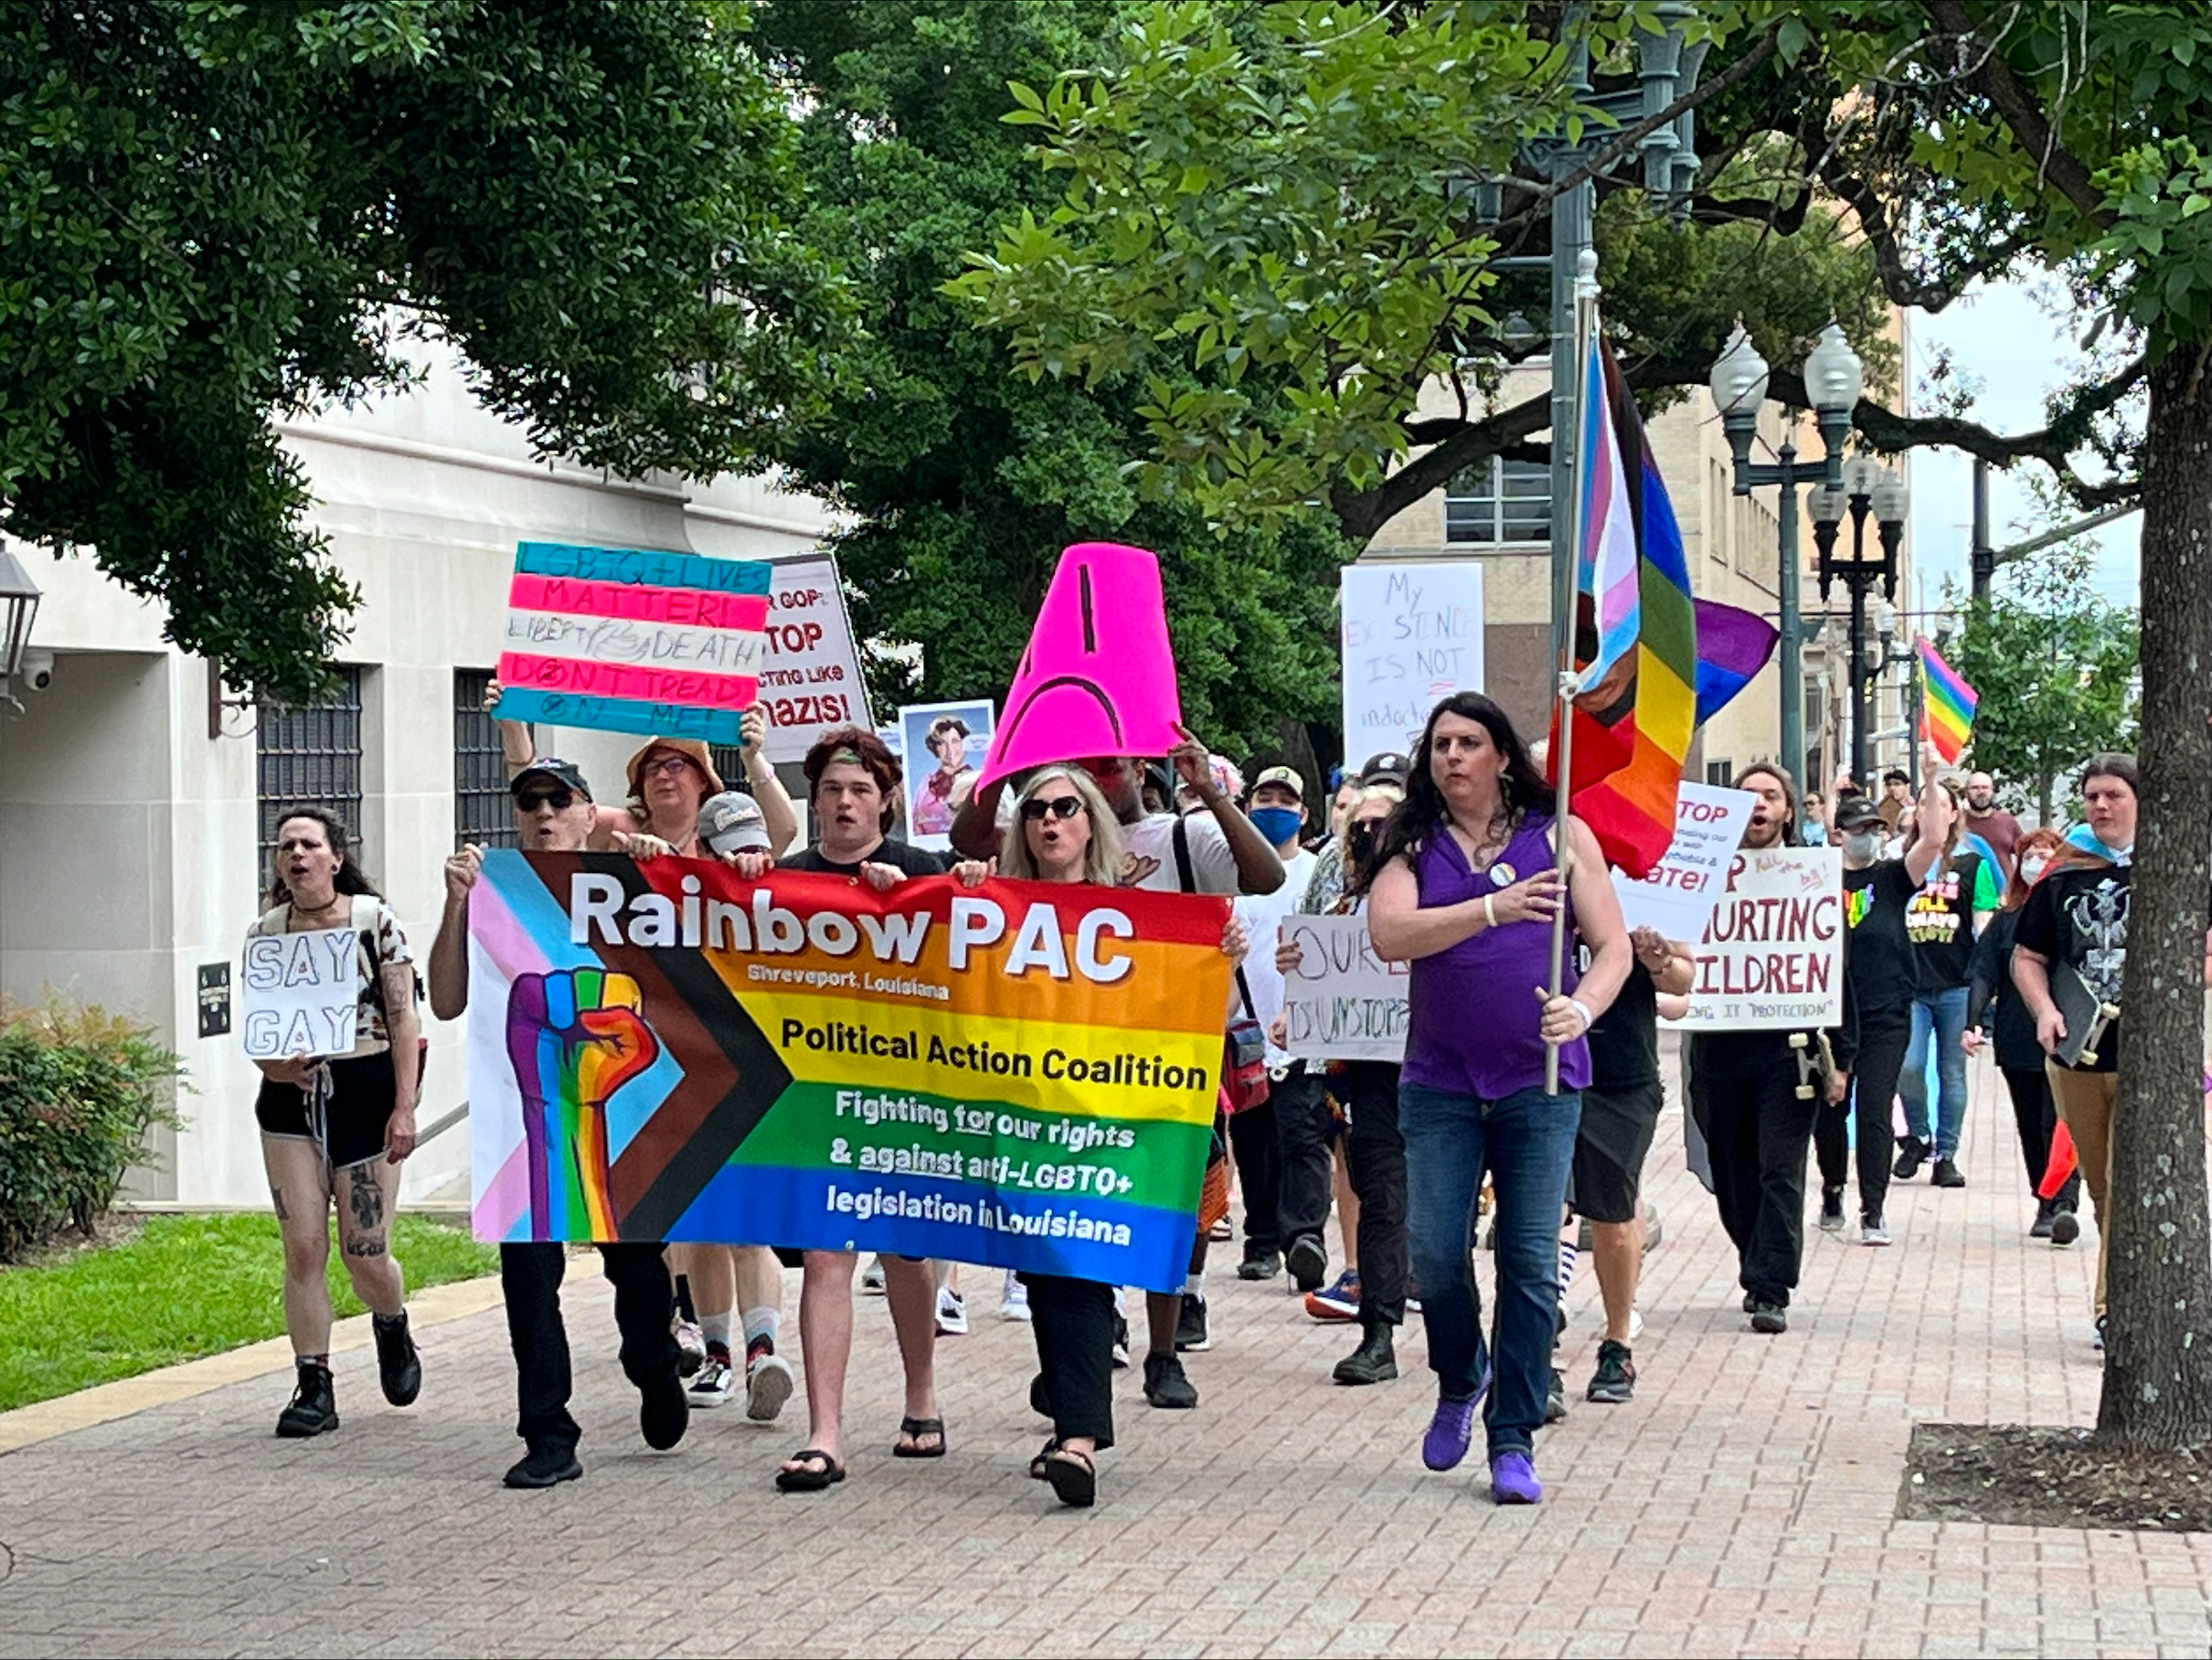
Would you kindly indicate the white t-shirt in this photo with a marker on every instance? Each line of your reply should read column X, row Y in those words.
column 1151, row 862
column 1263, row 914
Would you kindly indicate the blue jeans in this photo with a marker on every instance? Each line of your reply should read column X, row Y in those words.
column 1526, row 1142
column 1942, row 1016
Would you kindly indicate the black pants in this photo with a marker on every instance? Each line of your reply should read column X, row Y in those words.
column 1302, row 1127
column 1375, row 1155
column 2036, row 1116
column 1883, row 1037
column 1073, row 1322
column 1756, row 1129
column 1256, row 1147
column 529, row 1278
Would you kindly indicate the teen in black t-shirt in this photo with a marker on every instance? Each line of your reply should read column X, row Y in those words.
column 898, row 855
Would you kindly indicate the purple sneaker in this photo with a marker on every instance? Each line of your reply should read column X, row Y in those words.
column 1512, row 1480
column 1452, row 1429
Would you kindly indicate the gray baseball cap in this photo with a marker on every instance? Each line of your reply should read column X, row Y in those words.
column 731, row 823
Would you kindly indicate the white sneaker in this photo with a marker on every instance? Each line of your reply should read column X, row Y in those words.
column 1013, row 1302
column 714, row 1384
column 1873, row 1231
column 951, row 1313
column 768, row 1385
column 871, row 1277
column 690, row 1346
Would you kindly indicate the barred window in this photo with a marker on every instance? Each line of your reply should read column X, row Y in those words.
column 310, row 757
column 1497, row 501
column 729, row 762
column 483, row 809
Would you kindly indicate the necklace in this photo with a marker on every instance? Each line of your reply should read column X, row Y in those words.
column 308, row 914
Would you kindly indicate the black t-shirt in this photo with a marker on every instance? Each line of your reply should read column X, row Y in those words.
column 1939, row 921
column 1883, row 972
column 2077, row 915
column 914, row 861
column 1624, row 1044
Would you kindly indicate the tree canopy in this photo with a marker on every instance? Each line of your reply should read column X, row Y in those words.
column 218, row 213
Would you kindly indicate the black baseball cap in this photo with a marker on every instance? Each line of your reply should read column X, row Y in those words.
column 562, row 772
column 1389, row 768
column 1854, row 810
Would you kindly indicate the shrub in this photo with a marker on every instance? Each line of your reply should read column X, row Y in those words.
column 78, row 1089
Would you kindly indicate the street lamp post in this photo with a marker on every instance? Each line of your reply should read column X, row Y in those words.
column 1867, row 489
column 1834, row 380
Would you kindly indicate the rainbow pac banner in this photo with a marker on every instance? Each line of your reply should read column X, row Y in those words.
column 1947, row 702
column 622, row 640
column 1019, row 1074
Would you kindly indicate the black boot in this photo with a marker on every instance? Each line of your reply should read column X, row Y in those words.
column 315, row 1405
column 398, row 1366
column 1374, row 1361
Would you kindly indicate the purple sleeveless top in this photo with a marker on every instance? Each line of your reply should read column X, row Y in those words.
column 1474, row 1020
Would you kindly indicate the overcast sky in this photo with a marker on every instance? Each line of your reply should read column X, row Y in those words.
column 2000, row 335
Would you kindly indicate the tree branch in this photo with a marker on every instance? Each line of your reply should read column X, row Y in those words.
column 1458, row 444
column 1994, row 78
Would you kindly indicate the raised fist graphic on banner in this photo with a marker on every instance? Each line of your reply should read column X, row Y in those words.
column 576, row 1038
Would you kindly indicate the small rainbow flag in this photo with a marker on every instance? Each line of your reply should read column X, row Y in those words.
column 1948, row 704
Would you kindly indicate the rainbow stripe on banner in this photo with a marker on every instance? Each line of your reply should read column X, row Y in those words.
column 1947, row 704
column 623, row 640
column 1018, row 1074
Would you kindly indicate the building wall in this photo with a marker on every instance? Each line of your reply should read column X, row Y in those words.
column 129, row 837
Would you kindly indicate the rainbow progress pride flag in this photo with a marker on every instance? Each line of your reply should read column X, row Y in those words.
column 1948, row 704
column 1022, row 1074
column 623, row 640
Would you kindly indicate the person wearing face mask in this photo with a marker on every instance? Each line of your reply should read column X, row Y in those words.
column 1282, row 1145
column 1743, row 1092
column 1884, row 976
column 1993, row 1001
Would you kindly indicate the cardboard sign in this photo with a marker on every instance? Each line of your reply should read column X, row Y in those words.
column 942, row 762
column 628, row 640
column 1683, row 887
column 1412, row 636
column 1098, row 677
column 1019, row 1075
column 810, row 667
column 1343, row 1002
column 1771, row 957
column 300, row 993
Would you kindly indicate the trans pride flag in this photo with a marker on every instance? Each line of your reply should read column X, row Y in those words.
column 1947, row 706
column 1636, row 633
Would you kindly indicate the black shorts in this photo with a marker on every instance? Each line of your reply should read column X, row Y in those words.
column 363, row 1089
column 1610, row 1150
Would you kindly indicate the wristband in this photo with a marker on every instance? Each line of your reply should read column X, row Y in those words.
column 1490, row 913
column 1582, row 1009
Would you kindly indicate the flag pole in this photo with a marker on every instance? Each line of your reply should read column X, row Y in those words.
column 1586, row 321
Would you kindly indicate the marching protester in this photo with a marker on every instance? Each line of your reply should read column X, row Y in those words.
column 1896, row 797
column 1212, row 849
column 1998, row 829
column 553, row 814
column 1374, row 1149
column 1067, row 833
column 335, row 1130
column 1472, row 870
column 854, row 786
column 1743, row 1092
column 1883, row 974
column 1956, row 899
column 1994, row 1002
column 1812, row 824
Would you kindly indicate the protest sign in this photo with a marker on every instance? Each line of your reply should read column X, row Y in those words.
column 1343, row 1002
column 300, row 993
column 1098, row 677
column 1683, row 887
column 1019, row 1074
column 625, row 640
column 946, row 744
column 810, row 674
column 1412, row 635
column 1772, row 957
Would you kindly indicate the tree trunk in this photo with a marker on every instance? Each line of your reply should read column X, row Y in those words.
column 2158, row 1355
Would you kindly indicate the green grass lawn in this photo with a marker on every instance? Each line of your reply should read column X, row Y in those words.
column 186, row 1286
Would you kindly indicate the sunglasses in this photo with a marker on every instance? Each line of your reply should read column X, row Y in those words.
column 561, row 800
column 1060, row 806
column 666, row 763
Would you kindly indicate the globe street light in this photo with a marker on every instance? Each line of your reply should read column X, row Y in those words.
column 1868, row 488
column 1834, row 380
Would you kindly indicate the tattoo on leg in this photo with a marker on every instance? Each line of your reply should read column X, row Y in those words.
column 366, row 1197
column 277, row 1196
column 364, row 1248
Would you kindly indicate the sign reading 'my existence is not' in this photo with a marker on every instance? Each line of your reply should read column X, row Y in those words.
column 1412, row 635
column 1020, row 1074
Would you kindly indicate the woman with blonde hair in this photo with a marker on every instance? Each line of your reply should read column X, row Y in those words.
column 1954, row 903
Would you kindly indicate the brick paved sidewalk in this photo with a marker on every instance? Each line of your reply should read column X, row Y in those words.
column 1742, row 1503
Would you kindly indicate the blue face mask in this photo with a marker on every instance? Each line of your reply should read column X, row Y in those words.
column 1278, row 825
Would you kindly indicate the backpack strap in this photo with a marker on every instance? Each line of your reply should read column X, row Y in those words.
column 1187, row 881
column 363, row 921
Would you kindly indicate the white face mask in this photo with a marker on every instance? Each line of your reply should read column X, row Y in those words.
column 2032, row 869
column 1863, row 845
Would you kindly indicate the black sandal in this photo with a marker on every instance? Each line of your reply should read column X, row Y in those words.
column 817, row 1471
column 914, row 1429
column 1036, row 1465
column 1074, row 1478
